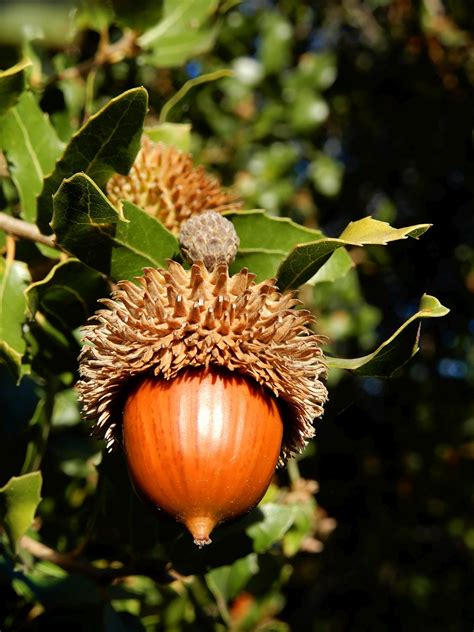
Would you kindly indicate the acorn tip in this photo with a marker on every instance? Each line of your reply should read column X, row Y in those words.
column 200, row 527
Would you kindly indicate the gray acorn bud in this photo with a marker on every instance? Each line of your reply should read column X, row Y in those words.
column 210, row 238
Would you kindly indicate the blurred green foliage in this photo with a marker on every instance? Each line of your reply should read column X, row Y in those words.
column 333, row 112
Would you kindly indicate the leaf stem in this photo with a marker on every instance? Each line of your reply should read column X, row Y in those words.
column 25, row 230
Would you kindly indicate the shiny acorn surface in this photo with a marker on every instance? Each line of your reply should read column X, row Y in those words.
column 203, row 446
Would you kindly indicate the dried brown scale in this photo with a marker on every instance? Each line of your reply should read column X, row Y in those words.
column 179, row 318
column 164, row 182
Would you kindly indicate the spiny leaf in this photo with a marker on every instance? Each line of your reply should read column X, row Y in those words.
column 14, row 278
column 305, row 260
column 398, row 349
column 119, row 244
column 107, row 143
column 19, row 499
column 68, row 293
column 12, row 84
column 32, row 147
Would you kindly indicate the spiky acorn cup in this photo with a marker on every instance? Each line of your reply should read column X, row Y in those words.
column 164, row 182
column 209, row 381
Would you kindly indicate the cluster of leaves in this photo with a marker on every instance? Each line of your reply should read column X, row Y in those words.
column 130, row 568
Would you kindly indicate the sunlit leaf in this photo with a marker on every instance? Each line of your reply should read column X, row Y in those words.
column 257, row 230
column 398, row 349
column 265, row 241
column 107, row 143
column 262, row 263
column 119, row 244
column 305, row 260
column 68, row 293
column 181, row 33
column 19, row 499
column 32, row 147
column 336, row 267
column 14, row 278
column 176, row 134
column 372, row 231
column 12, row 84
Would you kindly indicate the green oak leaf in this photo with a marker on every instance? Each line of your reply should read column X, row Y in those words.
column 107, row 143
column 117, row 243
column 180, row 34
column 12, row 84
column 302, row 526
column 32, row 147
column 68, row 294
column 263, row 264
column 277, row 519
column 398, row 349
column 14, row 278
column 19, row 499
column 265, row 241
column 305, row 260
column 336, row 267
column 226, row 582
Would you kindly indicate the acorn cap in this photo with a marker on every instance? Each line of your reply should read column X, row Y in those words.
column 164, row 182
column 179, row 318
column 209, row 238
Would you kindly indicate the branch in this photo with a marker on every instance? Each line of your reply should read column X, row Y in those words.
column 19, row 228
column 149, row 568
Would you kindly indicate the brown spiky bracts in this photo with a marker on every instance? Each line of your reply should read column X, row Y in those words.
column 177, row 318
column 164, row 182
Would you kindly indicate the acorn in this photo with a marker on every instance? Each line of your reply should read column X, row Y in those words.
column 164, row 182
column 208, row 380
column 213, row 437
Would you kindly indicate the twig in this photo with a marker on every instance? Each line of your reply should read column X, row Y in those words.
column 19, row 228
column 106, row 54
column 149, row 568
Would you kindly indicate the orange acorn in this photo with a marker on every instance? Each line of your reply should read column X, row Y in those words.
column 203, row 446
column 209, row 380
